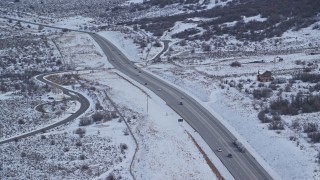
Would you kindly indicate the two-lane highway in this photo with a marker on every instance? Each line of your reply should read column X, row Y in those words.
column 85, row 104
column 241, row 165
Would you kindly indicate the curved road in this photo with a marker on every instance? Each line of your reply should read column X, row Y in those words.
column 241, row 165
column 85, row 104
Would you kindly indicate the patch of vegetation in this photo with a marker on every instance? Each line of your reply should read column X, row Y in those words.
column 235, row 64
column 186, row 33
column 299, row 104
column 262, row 93
column 280, row 16
column 306, row 77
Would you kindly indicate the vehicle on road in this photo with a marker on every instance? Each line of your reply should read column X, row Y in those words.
column 229, row 155
column 145, row 83
column 247, row 168
column 159, row 89
column 219, row 150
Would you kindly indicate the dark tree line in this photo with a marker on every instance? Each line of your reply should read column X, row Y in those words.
column 280, row 16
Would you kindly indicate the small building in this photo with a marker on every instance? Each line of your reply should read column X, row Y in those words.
column 265, row 77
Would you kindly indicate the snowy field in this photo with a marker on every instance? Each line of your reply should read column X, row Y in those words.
column 149, row 128
column 165, row 148
column 290, row 159
column 104, row 148
column 98, row 145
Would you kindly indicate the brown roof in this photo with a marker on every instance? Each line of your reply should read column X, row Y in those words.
column 267, row 73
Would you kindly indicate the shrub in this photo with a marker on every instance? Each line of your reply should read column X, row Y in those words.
column 23, row 154
column 314, row 136
column 318, row 157
column 123, row 147
column 306, row 77
column 261, row 85
column 85, row 121
column 298, row 62
column 84, row 167
column 295, row 125
column 273, row 86
column 78, row 143
column 114, row 114
column 293, row 138
column 66, row 149
column 261, row 115
column 52, row 142
column 288, row 87
column 316, row 26
column 82, row 157
column 235, row 64
column 310, row 127
column 98, row 106
column 183, row 43
column 262, row 93
column 43, row 137
column 110, row 177
column 97, row 116
column 21, row 121
column 80, row 131
column 126, row 132
column 186, row 33
column 157, row 44
column 279, row 104
column 232, row 83
column 276, row 123
column 206, row 47
column 307, row 69
column 279, row 81
column 317, row 87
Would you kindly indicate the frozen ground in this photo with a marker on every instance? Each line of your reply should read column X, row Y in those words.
column 155, row 129
column 165, row 148
column 78, row 49
column 291, row 160
column 104, row 148
column 126, row 41
column 202, row 79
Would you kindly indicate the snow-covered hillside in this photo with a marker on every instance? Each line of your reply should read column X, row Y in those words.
column 217, row 48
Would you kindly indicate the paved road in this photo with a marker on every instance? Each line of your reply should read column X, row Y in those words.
column 44, row 25
column 74, row 95
column 241, row 165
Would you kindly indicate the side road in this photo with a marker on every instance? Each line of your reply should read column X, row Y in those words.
column 85, row 104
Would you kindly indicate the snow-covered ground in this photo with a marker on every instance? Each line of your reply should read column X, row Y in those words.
column 165, row 148
column 131, row 49
column 154, row 129
column 288, row 159
column 78, row 49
